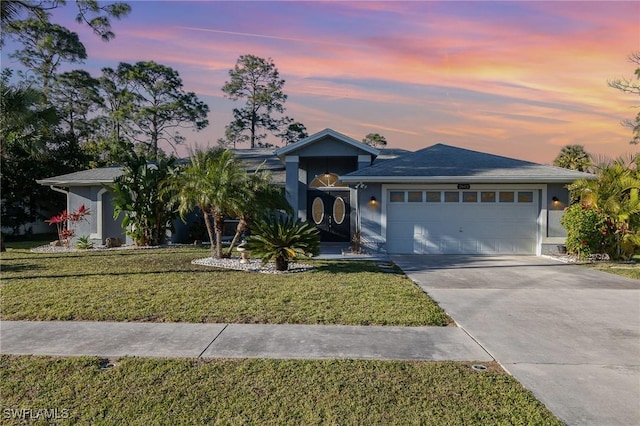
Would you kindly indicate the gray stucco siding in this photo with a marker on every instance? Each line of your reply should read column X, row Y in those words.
column 329, row 147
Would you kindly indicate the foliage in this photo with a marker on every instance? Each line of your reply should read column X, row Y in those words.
column 155, row 105
column 573, row 157
column 214, row 183
column 631, row 86
column 162, row 285
column 615, row 197
column 375, row 140
column 585, row 230
column 63, row 223
column 45, row 46
column 145, row 391
column 139, row 193
column 257, row 196
column 84, row 243
column 257, row 81
column 293, row 131
column 283, row 239
column 91, row 12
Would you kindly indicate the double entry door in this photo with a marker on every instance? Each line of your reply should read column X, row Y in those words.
column 330, row 211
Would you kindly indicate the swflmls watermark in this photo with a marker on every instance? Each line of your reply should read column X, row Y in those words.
column 35, row 413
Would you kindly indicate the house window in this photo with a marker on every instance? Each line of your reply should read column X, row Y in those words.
column 317, row 210
column 488, row 197
column 433, row 196
column 451, row 197
column 469, row 197
column 525, row 197
column 396, row 196
column 506, row 197
column 414, row 196
column 326, row 180
column 339, row 210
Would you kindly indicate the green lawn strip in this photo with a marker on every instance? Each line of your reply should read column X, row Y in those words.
column 162, row 285
column 140, row 391
column 630, row 270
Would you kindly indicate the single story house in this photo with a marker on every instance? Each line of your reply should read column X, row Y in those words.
column 437, row 200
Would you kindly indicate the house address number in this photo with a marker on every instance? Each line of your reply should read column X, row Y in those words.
column 464, row 186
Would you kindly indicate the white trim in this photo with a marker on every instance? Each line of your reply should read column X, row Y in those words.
column 457, row 179
column 98, row 234
column 321, row 134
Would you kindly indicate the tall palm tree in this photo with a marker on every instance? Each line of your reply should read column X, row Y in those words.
column 573, row 157
column 213, row 182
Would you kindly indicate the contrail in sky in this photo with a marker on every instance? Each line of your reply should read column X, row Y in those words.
column 300, row 40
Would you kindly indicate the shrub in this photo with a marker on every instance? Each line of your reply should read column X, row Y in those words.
column 586, row 230
column 84, row 243
column 283, row 239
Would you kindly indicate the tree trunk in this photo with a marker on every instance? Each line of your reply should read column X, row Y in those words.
column 207, row 222
column 218, row 222
column 242, row 226
column 282, row 264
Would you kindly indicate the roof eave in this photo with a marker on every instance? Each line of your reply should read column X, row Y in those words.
column 47, row 182
column 459, row 179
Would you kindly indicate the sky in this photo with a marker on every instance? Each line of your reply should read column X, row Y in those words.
column 514, row 78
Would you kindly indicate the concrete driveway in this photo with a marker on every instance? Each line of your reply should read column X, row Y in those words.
column 569, row 334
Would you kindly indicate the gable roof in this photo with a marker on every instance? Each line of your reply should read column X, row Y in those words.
column 282, row 152
column 447, row 164
column 91, row 177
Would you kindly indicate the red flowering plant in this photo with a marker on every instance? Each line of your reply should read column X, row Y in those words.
column 62, row 221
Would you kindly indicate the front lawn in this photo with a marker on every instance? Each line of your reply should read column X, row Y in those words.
column 267, row 392
column 162, row 285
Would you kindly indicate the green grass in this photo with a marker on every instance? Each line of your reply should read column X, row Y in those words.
column 630, row 270
column 267, row 392
column 162, row 285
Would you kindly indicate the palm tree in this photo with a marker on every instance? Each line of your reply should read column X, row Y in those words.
column 258, row 196
column 214, row 183
column 616, row 194
column 573, row 157
column 283, row 239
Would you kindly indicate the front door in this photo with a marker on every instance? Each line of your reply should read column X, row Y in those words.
column 330, row 212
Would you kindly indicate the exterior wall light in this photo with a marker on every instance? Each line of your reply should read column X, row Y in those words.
column 373, row 201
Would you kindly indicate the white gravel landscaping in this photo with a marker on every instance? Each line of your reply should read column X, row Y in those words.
column 252, row 265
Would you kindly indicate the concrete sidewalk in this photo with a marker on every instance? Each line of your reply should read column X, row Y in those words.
column 117, row 339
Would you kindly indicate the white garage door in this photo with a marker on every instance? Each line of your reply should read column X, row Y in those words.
column 462, row 222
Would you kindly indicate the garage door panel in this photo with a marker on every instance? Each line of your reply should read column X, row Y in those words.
column 462, row 228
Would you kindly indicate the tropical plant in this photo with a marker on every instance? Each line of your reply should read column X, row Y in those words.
column 284, row 240
column 84, row 243
column 214, row 183
column 573, row 157
column 140, row 193
column 63, row 221
column 615, row 195
column 259, row 196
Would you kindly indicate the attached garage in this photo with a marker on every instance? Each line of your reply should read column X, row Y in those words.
column 446, row 221
column 449, row 200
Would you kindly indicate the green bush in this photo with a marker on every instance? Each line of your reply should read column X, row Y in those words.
column 585, row 230
column 283, row 239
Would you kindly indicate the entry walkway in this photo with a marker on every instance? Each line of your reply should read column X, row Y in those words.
column 118, row 339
